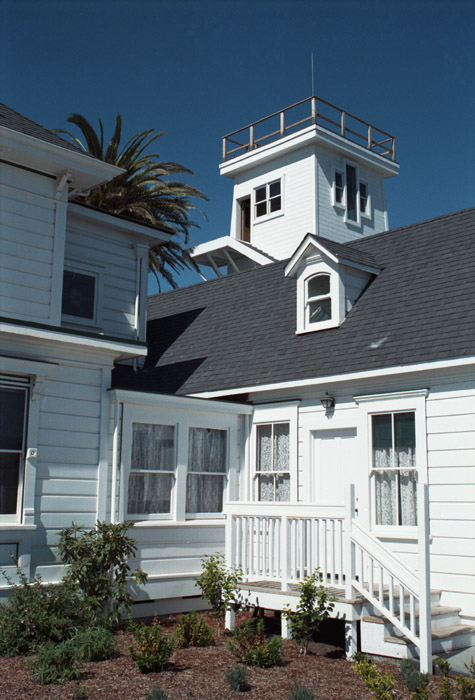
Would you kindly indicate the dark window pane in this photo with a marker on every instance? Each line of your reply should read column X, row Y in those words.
column 204, row 493
column 153, row 447
column 363, row 198
column 281, row 447
column 9, row 476
column 405, row 438
column 78, row 294
column 261, row 194
column 274, row 189
column 317, row 286
column 338, row 187
column 206, row 450
column 149, row 493
column 320, row 311
column 261, row 209
column 275, row 204
column 382, row 440
column 351, row 192
column 12, row 418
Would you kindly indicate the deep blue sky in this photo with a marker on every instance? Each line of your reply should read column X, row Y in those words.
column 198, row 69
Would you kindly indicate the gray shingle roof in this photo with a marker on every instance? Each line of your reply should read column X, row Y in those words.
column 17, row 122
column 239, row 330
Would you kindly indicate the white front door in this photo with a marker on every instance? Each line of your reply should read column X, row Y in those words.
column 333, row 464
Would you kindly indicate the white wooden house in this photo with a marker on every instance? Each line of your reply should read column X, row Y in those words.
column 312, row 406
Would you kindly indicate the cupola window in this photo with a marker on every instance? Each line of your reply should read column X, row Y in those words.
column 319, row 303
column 268, row 199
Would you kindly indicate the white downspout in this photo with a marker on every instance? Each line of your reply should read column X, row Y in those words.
column 115, row 462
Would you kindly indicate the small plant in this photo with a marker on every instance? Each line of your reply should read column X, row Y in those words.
column 152, row 648
column 55, row 663
column 445, row 692
column 36, row 614
column 94, row 644
column 79, row 692
column 98, row 562
column 466, row 686
column 315, row 605
column 252, row 648
column 157, row 694
column 380, row 684
column 218, row 583
column 444, row 666
column 414, row 680
column 192, row 632
column 301, row 693
column 237, row 679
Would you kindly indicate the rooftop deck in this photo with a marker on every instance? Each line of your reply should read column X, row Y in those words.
column 310, row 112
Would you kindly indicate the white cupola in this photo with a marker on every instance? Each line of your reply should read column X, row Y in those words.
column 310, row 168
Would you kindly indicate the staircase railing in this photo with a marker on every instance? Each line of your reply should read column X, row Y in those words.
column 389, row 584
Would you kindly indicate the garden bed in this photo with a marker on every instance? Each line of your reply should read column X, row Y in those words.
column 199, row 674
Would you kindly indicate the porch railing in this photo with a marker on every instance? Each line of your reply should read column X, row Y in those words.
column 286, row 542
column 312, row 111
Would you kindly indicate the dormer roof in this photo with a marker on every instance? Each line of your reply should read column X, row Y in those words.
column 231, row 253
column 337, row 252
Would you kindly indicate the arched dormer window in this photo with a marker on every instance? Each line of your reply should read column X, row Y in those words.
column 318, row 299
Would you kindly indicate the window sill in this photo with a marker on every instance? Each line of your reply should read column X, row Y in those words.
column 6, row 527
column 205, row 522
column 395, row 532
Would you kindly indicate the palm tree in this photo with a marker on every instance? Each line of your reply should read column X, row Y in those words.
column 142, row 193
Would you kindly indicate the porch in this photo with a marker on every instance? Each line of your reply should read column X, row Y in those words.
column 278, row 544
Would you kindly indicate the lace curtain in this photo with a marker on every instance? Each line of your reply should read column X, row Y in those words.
column 394, row 468
column 153, row 452
column 206, row 470
column 273, row 456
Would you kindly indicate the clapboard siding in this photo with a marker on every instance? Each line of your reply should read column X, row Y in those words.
column 114, row 255
column 27, row 216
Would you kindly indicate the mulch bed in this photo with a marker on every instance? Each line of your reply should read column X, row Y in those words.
column 199, row 674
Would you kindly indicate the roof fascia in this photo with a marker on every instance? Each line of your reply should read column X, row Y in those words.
column 86, row 171
column 301, row 252
column 228, row 242
column 340, row 378
column 145, row 398
column 148, row 234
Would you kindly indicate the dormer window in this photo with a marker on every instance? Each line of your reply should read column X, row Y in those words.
column 268, row 199
column 319, row 303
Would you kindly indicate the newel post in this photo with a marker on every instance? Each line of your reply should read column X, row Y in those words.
column 230, row 559
column 425, row 622
column 349, row 555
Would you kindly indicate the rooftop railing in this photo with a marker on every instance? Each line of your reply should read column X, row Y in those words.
column 312, row 111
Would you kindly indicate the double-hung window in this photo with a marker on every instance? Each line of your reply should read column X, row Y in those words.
column 268, row 199
column 351, row 195
column 319, row 302
column 394, row 468
column 13, row 418
column 152, row 470
column 206, row 478
column 273, row 461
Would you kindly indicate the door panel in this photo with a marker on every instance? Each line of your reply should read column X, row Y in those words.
column 333, row 459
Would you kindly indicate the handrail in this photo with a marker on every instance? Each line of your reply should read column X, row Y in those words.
column 316, row 117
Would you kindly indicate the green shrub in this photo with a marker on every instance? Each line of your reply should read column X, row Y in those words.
column 444, row 666
column 252, row 648
column 152, row 648
column 55, row 663
column 466, row 686
column 192, row 632
column 36, row 614
column 301, row 693
column 414, row 680
column 446, row 692
column 380, row 684
column 237, row 679
column 315, row 605
column 218, row 583
column 94, row 644
column 98, row 562
column 157, row 694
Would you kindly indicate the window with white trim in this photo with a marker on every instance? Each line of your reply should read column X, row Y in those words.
column 273, row 461
column 206, row 478
column 268, row 199
column 82, row 294
column 152, row 470
column 394, row 468
column 319, row 302
column 14, row 393
column 351, row 194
